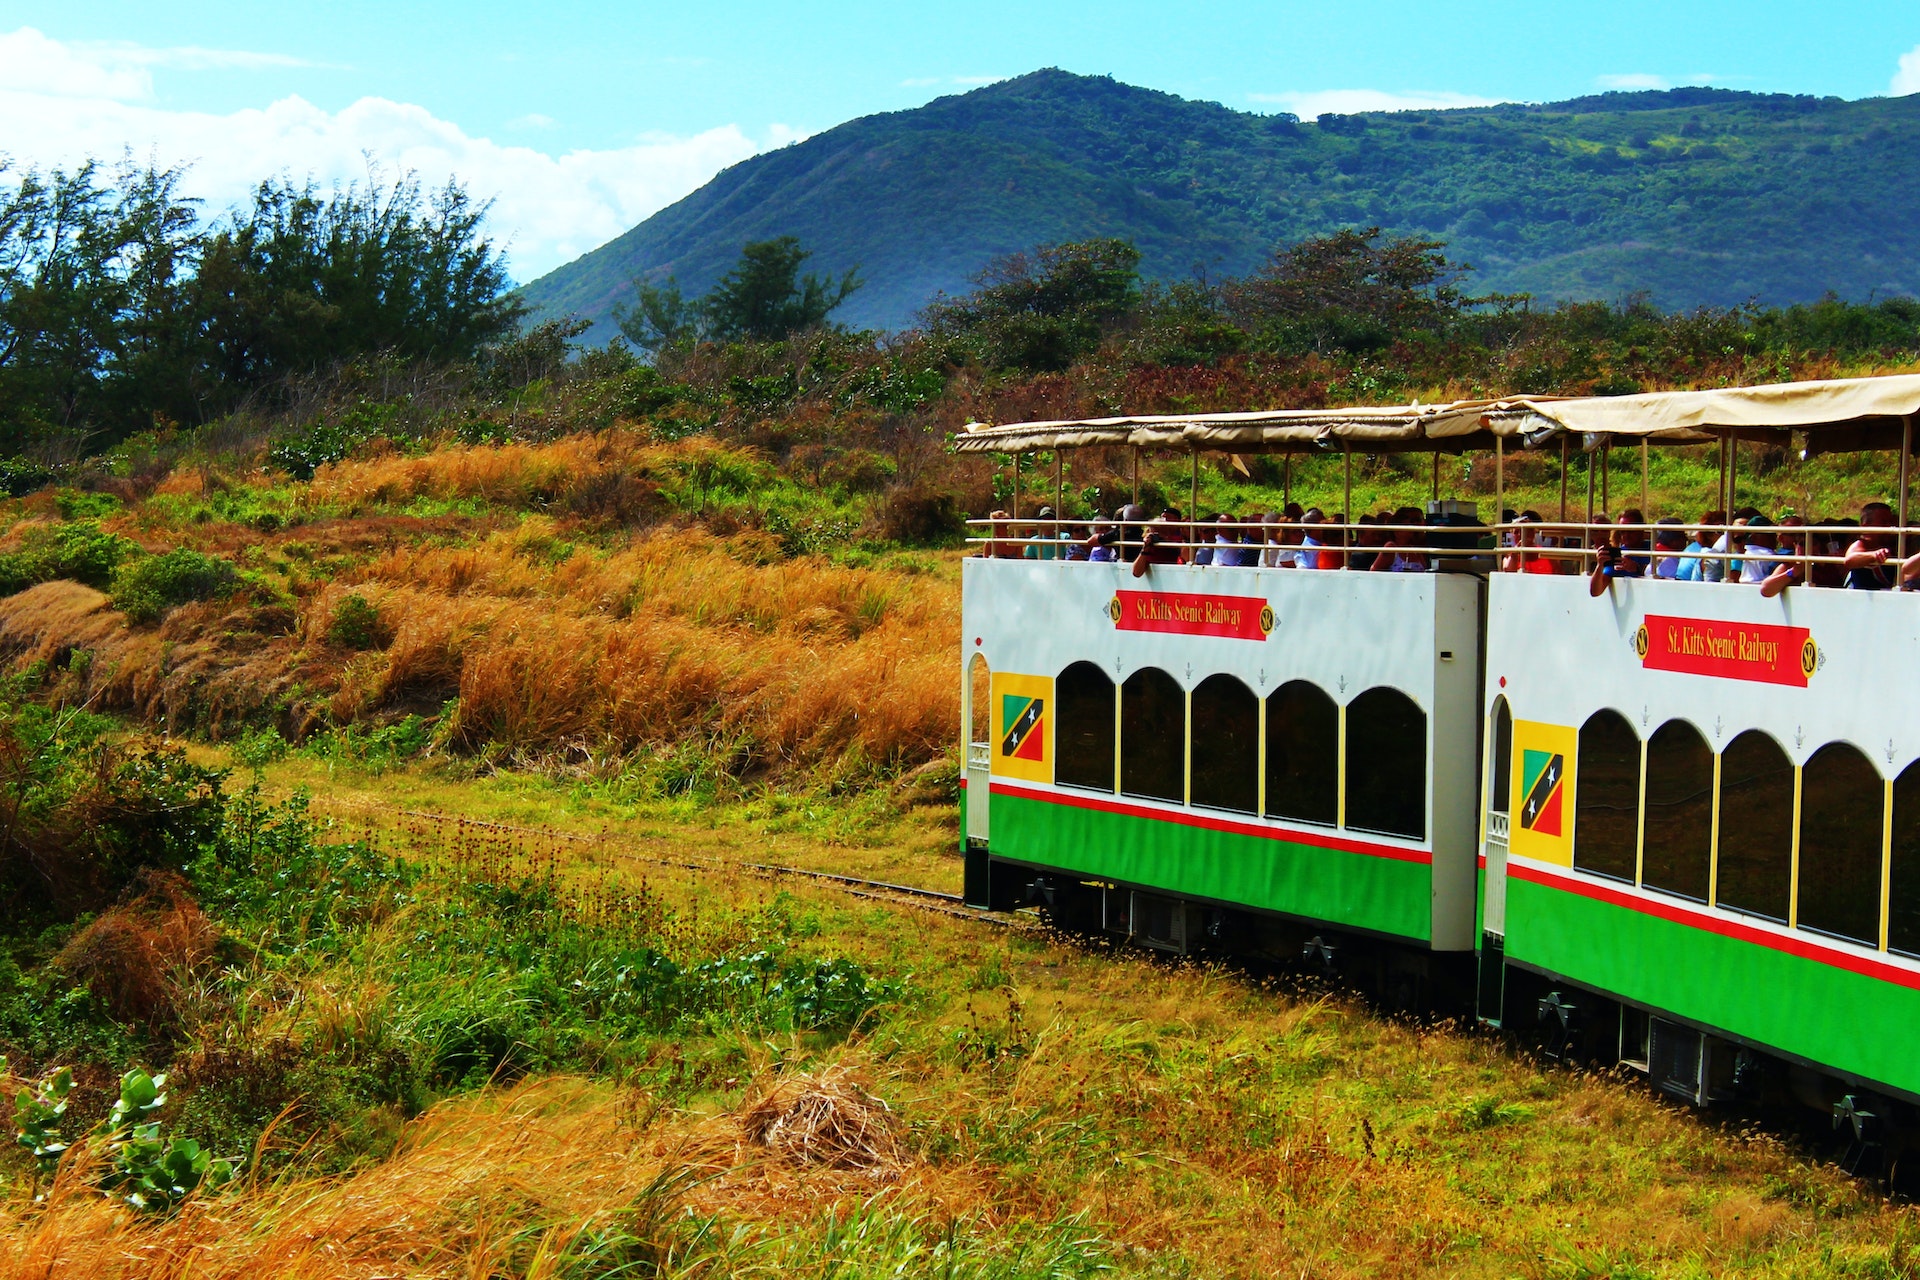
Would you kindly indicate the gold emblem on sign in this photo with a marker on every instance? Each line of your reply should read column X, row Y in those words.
column 1113, row 608
column 1640, row 640
column 1266, row 619
column 1809, row 657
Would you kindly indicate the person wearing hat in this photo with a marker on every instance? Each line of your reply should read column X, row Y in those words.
column 1044, row 541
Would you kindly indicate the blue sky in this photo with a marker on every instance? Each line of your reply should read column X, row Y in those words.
column 580, row 119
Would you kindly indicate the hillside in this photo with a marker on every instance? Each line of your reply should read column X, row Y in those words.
column 1691, row 195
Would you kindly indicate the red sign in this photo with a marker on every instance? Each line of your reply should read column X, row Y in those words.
column 1728, row 650
column 1236, row 617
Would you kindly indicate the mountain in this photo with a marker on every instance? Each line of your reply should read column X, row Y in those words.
column 1690, row 196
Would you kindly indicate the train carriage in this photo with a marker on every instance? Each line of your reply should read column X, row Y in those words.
column 1677, row 824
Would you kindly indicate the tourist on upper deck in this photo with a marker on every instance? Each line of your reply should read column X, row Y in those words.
column 1632, row 540
column 1073, row 539
column 1695, row 564
column 1866, row 562
column 1271, row 545
column 1201, row 554
column 1525, row 557
column 1000, row 544
column 1762, row 564
column 1668, row 540
column 1367, row 540
column 1834, row 543
column 1399, row 555
column 1100, row 542
column 1290, row 555
column 1130, row 519
column 1229, row 543
column 1161, row 542
column 1043, row 539
column 1309, row 556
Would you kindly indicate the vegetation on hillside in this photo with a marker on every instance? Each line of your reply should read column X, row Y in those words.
column 1690, row 196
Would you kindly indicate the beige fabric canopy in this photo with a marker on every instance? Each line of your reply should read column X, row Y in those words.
column 1838, row 414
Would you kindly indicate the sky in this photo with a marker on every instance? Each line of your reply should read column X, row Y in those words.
column 580, row 119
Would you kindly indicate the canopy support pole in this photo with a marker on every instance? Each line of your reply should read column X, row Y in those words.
column 1563, row 480
column 1286, row 479
column 1436, row 475
column 1906, row 451
column 1733, row 476
column 1644, row 503
column 1346, row 504
column 1059, row 489
column 1016, row 486
column 1606, row 478
column 1499, row 482
column 1136, row 475
column 1193, row 506
column 1720, row 494
column 1586, row 535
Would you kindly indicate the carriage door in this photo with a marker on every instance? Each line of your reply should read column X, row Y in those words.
column 979, row 745
column 1499, row 800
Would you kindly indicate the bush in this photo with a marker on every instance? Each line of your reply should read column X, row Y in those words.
column 18, row 477
column 145, row 589
column 81, row 551
column 355, row 624
column 920, row 516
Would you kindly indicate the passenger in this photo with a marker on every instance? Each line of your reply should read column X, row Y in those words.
column 1695, row 564
column 1400, row 555
column 1367, row 538
column 1761, row 565
column 1203, row 553
column 1000, row 543
column 1866, row 562
column 1632, row 539
column 1230, row 550
column 1830, row 572
column 1291, row 533
column 1074, row 535
column 1043, row 538
column 1668, row 539
column 1525, row 557
column 1335, row 536
column 1309, row 556
column 1161, row 541
column 1130, row 519
column 1273, row 542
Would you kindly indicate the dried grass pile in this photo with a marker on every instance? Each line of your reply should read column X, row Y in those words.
column 826, row 1120
column 137, row 956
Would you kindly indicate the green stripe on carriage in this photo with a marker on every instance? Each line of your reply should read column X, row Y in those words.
column 1816, row 1011
column 1356, row 890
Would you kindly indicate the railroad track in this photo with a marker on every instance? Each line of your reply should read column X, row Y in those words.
column 948, row 904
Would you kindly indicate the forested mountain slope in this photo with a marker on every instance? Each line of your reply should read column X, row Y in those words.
column 1690, row 195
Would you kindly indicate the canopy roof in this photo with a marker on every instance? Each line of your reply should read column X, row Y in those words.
column 1838, row 414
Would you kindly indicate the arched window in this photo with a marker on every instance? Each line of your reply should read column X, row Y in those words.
column 1502, row 779
column 1387, row 764
column 1153, row 736
column 1083, row 728
column 1679, row 825
column 1842, row 803
column 1756, row 827
column 1606, row 818
column 1303, row 754
column 1226, row 745
column 980, row 702
column 1903, row 913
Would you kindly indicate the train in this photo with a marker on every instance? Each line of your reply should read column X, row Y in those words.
column 1673, row 825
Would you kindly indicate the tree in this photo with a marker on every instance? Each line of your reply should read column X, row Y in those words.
column 1345, row 292
column 1041, row 311
column 763, row 299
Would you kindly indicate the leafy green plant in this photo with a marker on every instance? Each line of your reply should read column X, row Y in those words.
column 37, row 1116
column 355, row 623
column 80, row 550
column 146, row 588
column 74, row 504
column 146, row 1168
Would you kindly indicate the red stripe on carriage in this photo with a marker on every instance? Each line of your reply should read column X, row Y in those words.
column 1260, row 831
column 1802, row 945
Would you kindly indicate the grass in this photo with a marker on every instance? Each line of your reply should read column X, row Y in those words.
column 1038, row 1106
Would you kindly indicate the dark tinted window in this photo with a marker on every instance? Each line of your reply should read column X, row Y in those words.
column 1303, row 754
column 1153, row 736
column 1083, row 728
column 1756, row 826
column 1841, row 805
column 1226, row 745
column 1607, row 803
column 1903, row 916
column 1387, row 764
column 1679, row 834
column 1502, row 756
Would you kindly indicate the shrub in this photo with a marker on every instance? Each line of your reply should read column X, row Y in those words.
column 81, row 551
column 919, row 516
column 19, row 477
column 355, row 624
column 147, row 588
column 76, row 505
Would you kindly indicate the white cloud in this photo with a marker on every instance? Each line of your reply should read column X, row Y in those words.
column 1352, row 101
column 1907, row 79
column 62, row 103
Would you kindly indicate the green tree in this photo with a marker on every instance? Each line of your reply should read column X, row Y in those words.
column 1349, row 292
column 1043, row 310
column 765, row 298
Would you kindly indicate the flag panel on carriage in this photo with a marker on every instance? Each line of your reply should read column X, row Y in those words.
column 1541, row 824
column 1023, row 726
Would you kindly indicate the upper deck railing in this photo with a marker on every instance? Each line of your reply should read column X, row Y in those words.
column 1822, row 555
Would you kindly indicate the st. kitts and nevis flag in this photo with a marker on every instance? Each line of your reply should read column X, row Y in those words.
column 1540, row 823
column 1023, row 726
